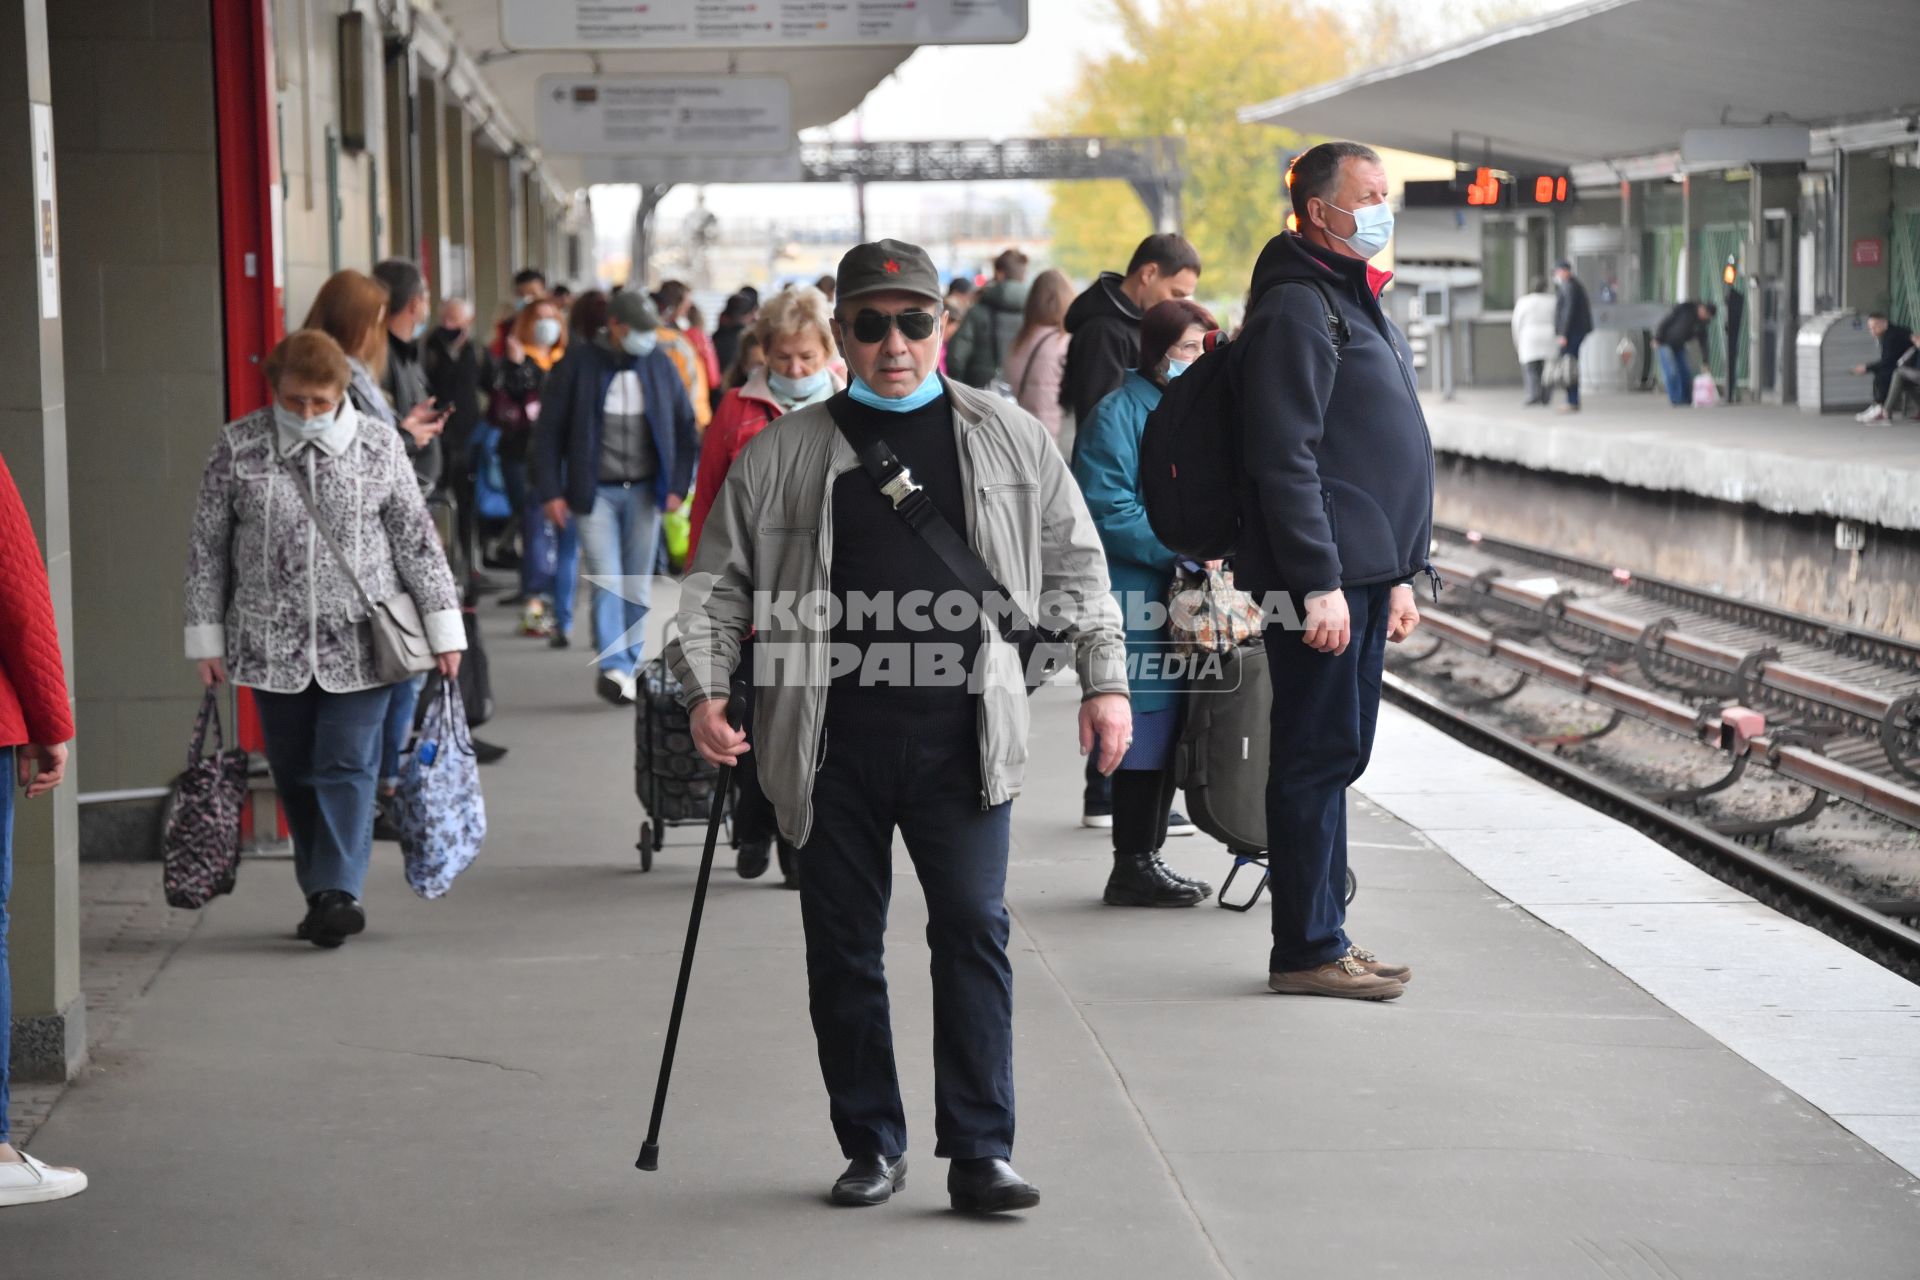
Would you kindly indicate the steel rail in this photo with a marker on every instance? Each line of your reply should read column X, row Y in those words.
column 1876, row 936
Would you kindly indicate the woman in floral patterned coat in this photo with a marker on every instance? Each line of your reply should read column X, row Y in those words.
column 269, row 606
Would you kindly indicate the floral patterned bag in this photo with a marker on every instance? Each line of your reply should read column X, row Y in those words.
column 438, row 808
column 1208, row 614
column 200, row 840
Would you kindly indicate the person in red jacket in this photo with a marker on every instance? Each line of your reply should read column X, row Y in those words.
column 795, row 330
column 36, row 723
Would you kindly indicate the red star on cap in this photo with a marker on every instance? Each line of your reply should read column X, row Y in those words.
column 893, row 268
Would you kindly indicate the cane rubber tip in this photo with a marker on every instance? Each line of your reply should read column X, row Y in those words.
column 649, row 1157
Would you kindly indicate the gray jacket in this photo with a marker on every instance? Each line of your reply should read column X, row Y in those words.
column 770, row 537
column 265, row 593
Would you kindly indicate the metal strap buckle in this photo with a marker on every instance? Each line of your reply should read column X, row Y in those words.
column 899, row 487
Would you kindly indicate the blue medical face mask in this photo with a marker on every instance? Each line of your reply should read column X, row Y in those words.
column 923, row 395
column 1177, row 367
column 1372, row 228
column 637, row 343
column 794, row 390
column 419, row 329
column 303, row 428
column 546, row 331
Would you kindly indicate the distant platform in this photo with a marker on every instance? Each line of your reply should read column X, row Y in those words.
column 1773, row 456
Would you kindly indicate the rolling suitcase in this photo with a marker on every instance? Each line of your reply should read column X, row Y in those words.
column 1222, row 760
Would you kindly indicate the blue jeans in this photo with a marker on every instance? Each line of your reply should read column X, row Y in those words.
column 402, row 698
column 324, row 752
column 925, row 780
column 1324, row 709
column 6, row 890
column 1675, row 373
column 566, row 574
column 617, row 539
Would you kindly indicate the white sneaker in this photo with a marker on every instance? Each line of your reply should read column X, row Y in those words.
column 1872, row 413
column 30, row 1182
column 629, row 686
column 1098, row 821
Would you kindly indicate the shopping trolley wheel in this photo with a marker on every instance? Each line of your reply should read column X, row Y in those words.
column 646, row 846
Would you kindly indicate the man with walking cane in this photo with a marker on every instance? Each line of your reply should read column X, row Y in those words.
column 907, row 503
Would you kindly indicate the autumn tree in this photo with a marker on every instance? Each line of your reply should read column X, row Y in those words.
column 1185, row 70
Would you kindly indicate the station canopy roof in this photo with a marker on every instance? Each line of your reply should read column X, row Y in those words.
column 827, row 83
column 1617, row 79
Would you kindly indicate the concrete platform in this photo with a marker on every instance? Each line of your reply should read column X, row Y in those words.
column 1775, row 457
column 461, row 1092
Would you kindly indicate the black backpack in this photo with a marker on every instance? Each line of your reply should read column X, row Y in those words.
column 1190, row 464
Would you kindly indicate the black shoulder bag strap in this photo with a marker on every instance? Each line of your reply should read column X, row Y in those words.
column 910, row 502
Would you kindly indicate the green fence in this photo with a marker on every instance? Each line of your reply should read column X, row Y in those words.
column 1904, row 259
column 1717, row 241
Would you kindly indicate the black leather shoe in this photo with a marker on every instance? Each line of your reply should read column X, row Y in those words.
column 1142, row 880
column 870, row 1180
column 988, row 1186
column 333, row 916
column 751, row 861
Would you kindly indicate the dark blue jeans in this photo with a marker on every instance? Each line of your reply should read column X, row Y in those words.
column 324, row 751
column 6, row 891
column 402, row 698
column 925, row 780
column 1675, row 372
column 1324, row 709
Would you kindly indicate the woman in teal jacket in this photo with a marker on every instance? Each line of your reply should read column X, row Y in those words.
column 1107, row 465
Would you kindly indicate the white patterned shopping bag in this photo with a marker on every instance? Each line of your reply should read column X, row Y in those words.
column 438, row 808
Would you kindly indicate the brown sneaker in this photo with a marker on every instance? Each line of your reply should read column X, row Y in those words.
column 1374, row 964
column 1345, row 977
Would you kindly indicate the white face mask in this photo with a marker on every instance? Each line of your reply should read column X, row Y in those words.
column 546, row 331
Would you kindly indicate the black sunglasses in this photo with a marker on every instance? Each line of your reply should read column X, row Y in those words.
column 873, row 326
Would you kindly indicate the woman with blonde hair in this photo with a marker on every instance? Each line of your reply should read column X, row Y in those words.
column 351, row 308
column 1036, row 363
column 308, row 511
column 795, row 330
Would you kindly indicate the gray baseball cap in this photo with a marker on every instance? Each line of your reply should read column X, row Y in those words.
column 887, row 266
column 634, row 309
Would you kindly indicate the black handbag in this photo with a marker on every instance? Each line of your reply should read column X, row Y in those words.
column 1043, row 652
column 200, row 837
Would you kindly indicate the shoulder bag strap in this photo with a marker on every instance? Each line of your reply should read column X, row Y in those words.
column 326, row 535
column 910, row 502
column 1033, row 358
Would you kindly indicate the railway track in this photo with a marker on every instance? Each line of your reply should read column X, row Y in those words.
column 1833, row 708
column 1868, row 931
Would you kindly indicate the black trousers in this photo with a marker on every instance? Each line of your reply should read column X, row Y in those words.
column 1142, row 799
column 881, row 773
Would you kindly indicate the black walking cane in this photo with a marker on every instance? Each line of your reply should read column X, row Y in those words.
column 650, row 1149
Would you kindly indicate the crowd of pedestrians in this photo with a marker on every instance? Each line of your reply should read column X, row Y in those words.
column 881, row 435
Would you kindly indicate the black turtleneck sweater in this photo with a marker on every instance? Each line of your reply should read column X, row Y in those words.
column 877, row 555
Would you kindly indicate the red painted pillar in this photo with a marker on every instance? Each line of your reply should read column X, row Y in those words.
column 252, row 231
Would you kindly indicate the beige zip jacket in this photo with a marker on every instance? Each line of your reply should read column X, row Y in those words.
column 769, row 539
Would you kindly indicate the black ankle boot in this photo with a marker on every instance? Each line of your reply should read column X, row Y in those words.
column 1205, row 889
column 1142, row 880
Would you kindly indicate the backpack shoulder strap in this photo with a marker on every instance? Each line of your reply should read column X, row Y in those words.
column 1337, row 328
